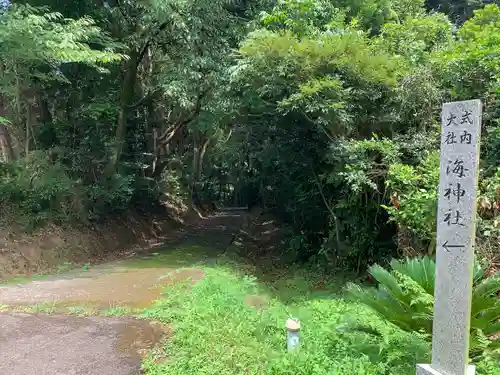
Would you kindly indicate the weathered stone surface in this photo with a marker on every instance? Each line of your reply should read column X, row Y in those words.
column 426, row 370
column 456, row 222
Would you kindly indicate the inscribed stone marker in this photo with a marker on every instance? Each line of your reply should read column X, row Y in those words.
column 456, row 226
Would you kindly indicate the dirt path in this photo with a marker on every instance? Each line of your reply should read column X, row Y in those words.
column 67, row 345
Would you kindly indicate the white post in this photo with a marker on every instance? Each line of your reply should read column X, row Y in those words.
column 293, row 336
column 456, row 226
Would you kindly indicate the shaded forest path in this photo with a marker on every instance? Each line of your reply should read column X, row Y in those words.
column 37, row 336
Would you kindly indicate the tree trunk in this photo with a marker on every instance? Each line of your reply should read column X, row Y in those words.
column 28, row 134
column 45, row 116
column 126, row 101
column 196, row 155
column 6, row 144
column 195, row 197
column 199, row 152
column 201, row 158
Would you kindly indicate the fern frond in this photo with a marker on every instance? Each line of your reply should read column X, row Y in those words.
column 481, row 303
column 478, row 343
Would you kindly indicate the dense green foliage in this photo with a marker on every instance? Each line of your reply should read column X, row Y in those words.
column 341, row 113
column 110, row 109
column 325, row 112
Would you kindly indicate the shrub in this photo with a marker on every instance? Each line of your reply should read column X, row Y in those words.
column 405, row 298
column 40, row 190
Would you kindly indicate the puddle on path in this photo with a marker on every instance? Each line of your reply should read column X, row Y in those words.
column 138, row 337
column 135, row 288
column 135, row 282
column 128, row 284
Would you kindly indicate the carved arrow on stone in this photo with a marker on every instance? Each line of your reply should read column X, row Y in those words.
column 447, row 247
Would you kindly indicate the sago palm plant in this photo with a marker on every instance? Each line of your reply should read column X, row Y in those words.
column 405, row 297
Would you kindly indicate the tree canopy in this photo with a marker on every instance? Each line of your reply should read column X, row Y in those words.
column 324, row 112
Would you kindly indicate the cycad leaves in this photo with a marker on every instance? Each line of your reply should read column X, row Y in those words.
column 382, row 303
column 405, row 298
column 486, row 306
column 423, row 271
column 398, row 298
column 388, row 283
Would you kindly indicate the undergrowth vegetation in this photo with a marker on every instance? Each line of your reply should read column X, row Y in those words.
column 231, row 323
column 227, row 324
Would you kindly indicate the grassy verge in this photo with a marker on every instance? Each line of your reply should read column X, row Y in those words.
column 23, row 279
column 62, row 268
column 229, row 324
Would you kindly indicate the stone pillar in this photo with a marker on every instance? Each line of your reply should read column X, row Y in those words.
column 456, row 228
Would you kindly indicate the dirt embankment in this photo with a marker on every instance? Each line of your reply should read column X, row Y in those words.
column 54, row 247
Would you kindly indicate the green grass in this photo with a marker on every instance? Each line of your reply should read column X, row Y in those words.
column 44, row 307
column 218, row 331
column 81, row 310
column 23, row 279
column 118, row 311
